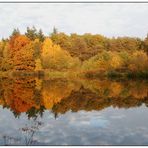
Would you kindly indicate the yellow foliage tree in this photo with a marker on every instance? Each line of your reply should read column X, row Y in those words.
column 138, row 61
column 54, row 57
column 38, row 64
column 115, row 61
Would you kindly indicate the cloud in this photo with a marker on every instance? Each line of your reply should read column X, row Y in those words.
column 107, row 19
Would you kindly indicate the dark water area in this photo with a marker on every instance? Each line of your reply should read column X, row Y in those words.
column 73, row 112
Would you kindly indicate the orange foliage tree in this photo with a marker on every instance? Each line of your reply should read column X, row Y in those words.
column 22, row 52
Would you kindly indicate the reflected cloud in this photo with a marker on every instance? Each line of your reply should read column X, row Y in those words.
column 77, row 112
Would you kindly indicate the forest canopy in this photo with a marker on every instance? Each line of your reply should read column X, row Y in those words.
column 87, row 54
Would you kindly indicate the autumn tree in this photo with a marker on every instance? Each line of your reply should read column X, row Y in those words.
column 145, row 44
column 1, row 53
column 22, row 53
column 24, row 60
column 138, row 61
column 124, row 44
column 116, row 61
column 18, row 42
column 54, row 57
column 7, row 63
column 61, row 39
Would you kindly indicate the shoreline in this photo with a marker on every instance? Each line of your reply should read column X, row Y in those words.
column 76, row 74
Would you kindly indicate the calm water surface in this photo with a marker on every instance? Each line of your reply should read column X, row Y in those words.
column 73, row 112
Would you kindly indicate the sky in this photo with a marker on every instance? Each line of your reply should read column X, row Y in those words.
column 108, row 19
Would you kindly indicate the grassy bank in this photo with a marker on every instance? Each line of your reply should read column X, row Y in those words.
column 128, row 75
column 62, row 74
column 5, row 74
column 116, row 75
column 78, row 74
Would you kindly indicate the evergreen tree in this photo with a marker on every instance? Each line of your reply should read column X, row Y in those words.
column 31, row 33
column 40, row 35
column 55, row 31
column 15, row 32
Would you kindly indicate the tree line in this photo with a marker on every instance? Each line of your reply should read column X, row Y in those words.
column 89, row 54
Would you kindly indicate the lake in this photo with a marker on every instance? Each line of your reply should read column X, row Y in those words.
column 45, row 111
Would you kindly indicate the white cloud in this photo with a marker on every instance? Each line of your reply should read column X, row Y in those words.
column 107, row 19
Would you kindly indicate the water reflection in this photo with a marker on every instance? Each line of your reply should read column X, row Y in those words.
column 87, row 112
column 32, row 96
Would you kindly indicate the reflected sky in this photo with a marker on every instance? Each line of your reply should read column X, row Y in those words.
column 108, row 127
column 82, row 112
